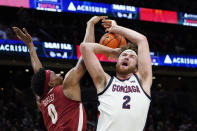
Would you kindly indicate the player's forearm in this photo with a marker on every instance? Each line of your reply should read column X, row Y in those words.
column 89, row 36
column 96, row 49
column 36, row 64
column 133, row 36
column 80, row 67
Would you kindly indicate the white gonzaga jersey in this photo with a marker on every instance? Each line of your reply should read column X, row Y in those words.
column 123, row 106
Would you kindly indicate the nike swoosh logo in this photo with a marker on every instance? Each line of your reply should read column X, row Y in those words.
column 132, row 81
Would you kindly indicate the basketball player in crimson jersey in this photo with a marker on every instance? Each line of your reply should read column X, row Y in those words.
column 59, row 100
column 125, row 98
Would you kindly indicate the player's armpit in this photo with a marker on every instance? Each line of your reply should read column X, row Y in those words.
column 73, row 77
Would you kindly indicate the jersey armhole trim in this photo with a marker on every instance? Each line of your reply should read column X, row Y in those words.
column 109, row 83
column 142, row 87
column 65, row 97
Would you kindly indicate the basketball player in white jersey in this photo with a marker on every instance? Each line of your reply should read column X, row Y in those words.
column 125, row 98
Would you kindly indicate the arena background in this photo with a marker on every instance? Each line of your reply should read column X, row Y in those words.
column 174, row 89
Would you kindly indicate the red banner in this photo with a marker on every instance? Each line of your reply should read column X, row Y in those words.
column 157, row 15
column 101, row 57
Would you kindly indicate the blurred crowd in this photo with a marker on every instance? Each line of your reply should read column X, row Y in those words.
column 172, row 108
column 169, row 113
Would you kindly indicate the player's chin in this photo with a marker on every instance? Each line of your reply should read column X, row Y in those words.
column 122, row 70
column 124, row 67
column 59, row 81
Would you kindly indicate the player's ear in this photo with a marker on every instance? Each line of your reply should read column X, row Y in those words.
column 51, row 83
column 136, row 69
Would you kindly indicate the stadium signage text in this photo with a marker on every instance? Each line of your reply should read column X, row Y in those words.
column 53, row 45
column 184, row 60
column 91, row 9
column 123, row 7
column 86, row 8
column 43, row 49
column 13, row 48
column 190, row 16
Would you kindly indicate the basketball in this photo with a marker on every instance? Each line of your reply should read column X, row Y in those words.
column 112, row 40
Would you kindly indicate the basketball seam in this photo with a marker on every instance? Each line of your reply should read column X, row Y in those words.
column 104, row 40
column 119, row 42
column 110, row 41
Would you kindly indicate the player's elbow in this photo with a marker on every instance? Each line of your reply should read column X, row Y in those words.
column 83, row 47
column 143, row 38
column 142, row 41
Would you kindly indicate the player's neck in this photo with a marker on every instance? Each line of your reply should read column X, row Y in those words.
column 123, row 77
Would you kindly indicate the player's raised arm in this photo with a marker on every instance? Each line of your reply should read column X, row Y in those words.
column 89, row 36
column 89, row 51
column 73, row 77
column 36, row 64
column 144, row 60
column 27, row 39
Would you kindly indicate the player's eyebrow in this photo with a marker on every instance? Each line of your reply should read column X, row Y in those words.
column 124, row 53
column 133, row 55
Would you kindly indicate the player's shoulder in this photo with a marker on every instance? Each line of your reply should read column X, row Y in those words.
column 108, row 77
column 55, row 90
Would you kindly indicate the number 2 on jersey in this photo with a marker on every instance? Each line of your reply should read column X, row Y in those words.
column 126, row 104
column 52, row 113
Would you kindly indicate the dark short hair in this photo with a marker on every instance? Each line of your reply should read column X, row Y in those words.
column 38, row 82
column 129, row 45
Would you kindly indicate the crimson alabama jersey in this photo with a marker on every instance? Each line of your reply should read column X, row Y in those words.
column 61, row 113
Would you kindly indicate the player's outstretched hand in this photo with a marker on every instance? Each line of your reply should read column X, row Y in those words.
column 95, row 19
column 23, row 35
column 109, row 25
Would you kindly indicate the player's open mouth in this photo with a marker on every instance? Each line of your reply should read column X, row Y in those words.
column 124, row 64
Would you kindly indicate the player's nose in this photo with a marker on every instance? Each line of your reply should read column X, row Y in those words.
column 126, row 58
column 60, row 75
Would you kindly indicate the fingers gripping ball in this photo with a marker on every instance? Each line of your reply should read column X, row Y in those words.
column 112, row 40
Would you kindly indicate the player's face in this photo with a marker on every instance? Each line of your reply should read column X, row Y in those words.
column 56, row 79
column 127, row 62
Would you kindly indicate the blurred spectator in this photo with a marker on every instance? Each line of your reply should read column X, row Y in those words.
column 3, row 34
column 11, row 35
column 172, row 108
column 34, row 37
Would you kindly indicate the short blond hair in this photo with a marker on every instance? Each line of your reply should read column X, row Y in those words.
column 130, row 46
